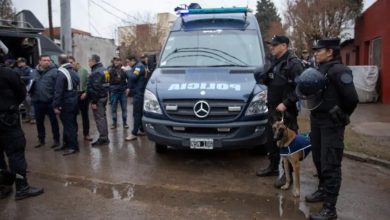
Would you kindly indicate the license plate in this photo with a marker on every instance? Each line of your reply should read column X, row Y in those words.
column 202, row 143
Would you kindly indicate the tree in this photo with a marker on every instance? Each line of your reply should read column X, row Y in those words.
column 310, row 20
column 147, row 36
column 268, row 19
column 7, row 11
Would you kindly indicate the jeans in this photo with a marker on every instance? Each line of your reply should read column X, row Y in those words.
column 122, row 99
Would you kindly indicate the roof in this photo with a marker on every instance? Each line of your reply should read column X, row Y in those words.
column 45, row 43
column 57, row 32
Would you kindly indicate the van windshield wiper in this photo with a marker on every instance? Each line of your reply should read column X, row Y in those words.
column 228, row 65
column 216, row 50
column 207, row 51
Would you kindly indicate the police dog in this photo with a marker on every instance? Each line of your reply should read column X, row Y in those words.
column 285, row 138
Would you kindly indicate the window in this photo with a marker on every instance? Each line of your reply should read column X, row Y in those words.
column 375, row 52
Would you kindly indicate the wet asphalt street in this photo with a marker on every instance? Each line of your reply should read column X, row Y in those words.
column 128, row 180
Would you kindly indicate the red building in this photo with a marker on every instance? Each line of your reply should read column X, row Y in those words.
column 372, row 43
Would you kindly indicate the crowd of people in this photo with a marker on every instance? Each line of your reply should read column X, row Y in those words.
column 65, row 90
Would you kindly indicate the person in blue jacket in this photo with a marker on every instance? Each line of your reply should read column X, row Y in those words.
column 97, row 92
column 137, row 84
column 42, row 93
column 26, row 75
column 65, row 104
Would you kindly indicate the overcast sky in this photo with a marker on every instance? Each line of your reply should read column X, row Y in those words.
column 102, row 17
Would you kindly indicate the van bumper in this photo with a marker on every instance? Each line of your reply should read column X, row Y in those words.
column 243, row 134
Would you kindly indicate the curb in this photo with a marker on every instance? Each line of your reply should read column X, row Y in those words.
column 366, row 159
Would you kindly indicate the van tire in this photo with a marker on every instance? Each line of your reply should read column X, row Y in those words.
column 160, row 148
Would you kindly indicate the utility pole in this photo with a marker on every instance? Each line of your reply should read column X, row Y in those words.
column 66, row 34
column 51, row 31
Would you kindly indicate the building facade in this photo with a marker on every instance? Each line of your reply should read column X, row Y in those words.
column 372, row 43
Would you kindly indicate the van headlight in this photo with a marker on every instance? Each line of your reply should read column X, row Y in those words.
column 151, row 103
column 258, row 104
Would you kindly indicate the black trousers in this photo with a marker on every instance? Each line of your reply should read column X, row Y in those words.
column 84, row 108
column 41, row 109
column 69, row 123
column 138, row 102
column 328, row 147
column 14, row 148
column 291, row 122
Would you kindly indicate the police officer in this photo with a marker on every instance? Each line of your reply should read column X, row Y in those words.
column 137, row 81
column 65, row 104
column 12, row 140
column 331, row 99
column 97, row 92
column 280, row 79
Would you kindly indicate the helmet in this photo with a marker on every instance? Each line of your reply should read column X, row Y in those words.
column 310, row 85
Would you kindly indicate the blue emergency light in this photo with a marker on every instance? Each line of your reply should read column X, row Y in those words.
column 213, row 11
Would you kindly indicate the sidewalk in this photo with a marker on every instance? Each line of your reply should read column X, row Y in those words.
column 367, row 138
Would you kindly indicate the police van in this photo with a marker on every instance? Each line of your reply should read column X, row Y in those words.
column 203, row 94
column 23, row 38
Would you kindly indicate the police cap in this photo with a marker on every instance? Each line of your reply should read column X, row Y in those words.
column 279, row 39
column 332, row 43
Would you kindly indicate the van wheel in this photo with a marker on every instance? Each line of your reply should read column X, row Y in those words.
column 160, row 148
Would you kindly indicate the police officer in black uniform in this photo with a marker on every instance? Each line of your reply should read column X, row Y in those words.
column 331, row 96
column 12, row 140
column 280, row 79
column 137, row 84
column 65, row 104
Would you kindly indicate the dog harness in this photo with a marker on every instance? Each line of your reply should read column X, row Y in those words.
column 300, row 143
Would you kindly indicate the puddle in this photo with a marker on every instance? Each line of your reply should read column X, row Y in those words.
column 280, row 205
column 120, row 191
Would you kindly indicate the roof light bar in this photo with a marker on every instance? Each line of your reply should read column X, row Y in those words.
column 213, row 11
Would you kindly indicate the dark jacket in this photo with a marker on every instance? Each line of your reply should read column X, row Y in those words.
column 13, row 92
column 137, row 80
column 44, row 82
column 280, row 77
column 339, row 91
column 26, row 74
column 96, row 86
column 64, row 98
column 118, row 80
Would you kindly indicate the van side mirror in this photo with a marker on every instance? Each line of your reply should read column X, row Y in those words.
column 260, row 74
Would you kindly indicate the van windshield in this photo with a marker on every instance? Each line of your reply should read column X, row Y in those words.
column 212, row 48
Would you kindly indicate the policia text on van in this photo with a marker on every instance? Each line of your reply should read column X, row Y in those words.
column 203, row 94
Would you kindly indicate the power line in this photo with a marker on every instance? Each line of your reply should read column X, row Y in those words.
column 123, row 12
column 114, row 15
column 94, row 28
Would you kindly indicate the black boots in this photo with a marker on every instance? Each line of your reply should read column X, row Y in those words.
column 271, row 170
column 23, row 190
column 317, row 196
column 100, row 141
column 325, row 214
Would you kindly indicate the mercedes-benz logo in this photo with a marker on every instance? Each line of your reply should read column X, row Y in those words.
column 201, row 109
